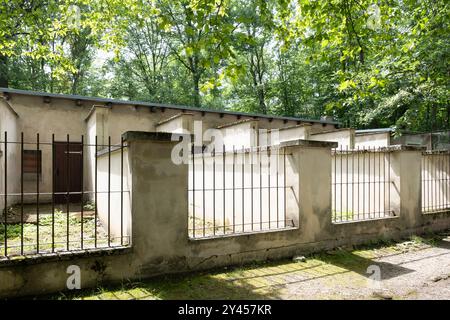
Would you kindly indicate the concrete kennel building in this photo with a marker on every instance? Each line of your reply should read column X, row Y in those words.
column 60, row 122
column 95, row 184
column 75, row 116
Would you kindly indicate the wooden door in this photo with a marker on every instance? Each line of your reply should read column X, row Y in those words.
column 67, row 171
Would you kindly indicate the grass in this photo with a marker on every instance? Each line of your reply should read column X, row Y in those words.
column 261, row 280
column 61, row 222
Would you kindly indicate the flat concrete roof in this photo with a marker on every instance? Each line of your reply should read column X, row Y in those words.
column 157, row 105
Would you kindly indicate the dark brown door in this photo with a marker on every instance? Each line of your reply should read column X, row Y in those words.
column 67, row 171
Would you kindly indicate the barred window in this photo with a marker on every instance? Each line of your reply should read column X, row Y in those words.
column 32, row 161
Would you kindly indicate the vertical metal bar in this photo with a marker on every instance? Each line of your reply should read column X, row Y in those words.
column 234, row 189
column 436, row 181
column 95, row 191
column 260, row 190
column 6, row 194
column 440, row 182
column 278, row 186
column 427, row 158
column 21, row 192
column 379, row 182
column 335, row 185
column 433, row 181
column 214, row 190
column 204, row 202
column 251, row 187
column 284, row 185
column 368, row 177
column 346, row 181
column 447, row 179
column 268, row 174
column 121, row 190
column 37, row 192
column 358, row 184
column 384, row 182
column 224, row 185
column 53, row 192
column 353, row 183
column 341, row 184
column 193, row 190
column 243, row 188
column 82, row 193
column 389, row 179
column 364, row 183
column 109, row 191
column 67, row 192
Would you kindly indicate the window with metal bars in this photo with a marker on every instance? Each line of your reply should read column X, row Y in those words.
column 243, row 190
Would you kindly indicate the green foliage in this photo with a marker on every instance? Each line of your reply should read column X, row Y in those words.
column 367, row 64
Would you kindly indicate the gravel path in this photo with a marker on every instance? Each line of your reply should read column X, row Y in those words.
column 417, row 271
column 414, row 269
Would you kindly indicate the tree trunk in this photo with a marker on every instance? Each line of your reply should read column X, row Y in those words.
column 261, row 99
column 4, row 71
column 196, row 80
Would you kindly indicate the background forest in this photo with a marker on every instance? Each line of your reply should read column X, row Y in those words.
column 366, row 63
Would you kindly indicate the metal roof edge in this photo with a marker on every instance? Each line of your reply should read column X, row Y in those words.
column 154, row 104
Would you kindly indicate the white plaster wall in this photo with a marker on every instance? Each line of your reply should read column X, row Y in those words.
column 372, row 140
column 435, row 182
column 181, row 123
column 115, row 195
column 344, row 137
column 60, row 116
column 294, row 133
column 362, row 186
column 240, row 135
column 266, row 204
column 8, row 123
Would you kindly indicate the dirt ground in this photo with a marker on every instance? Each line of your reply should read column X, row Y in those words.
column 417, row 268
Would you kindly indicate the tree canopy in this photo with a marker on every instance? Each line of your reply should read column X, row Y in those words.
column 366, row 63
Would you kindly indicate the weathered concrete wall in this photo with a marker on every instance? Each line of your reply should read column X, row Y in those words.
column 436, row 181
column 241, row 134
column 180, row 123
column 301, row 131
column 59, row 117
column 362, row 184
column 344, row 137
column 159, row 201
column 364, row 140
column 63, row 116
column 257, row 200
column 114, row 194
column 8, row 123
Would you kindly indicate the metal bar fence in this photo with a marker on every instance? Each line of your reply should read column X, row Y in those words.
column 435, row 175
column 233, row 191
column 361, row 184
column 57, row 196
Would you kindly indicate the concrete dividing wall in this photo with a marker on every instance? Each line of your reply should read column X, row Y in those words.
column 113, row 199
column 65, row 115
column 180, row 123
column 241, row 134
column 8, row 123
column 363, row 185
column 243, row 191
column 301, row 131
column 160, row 242
column 371, row 140
column 435, row 181
column 344, row 137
